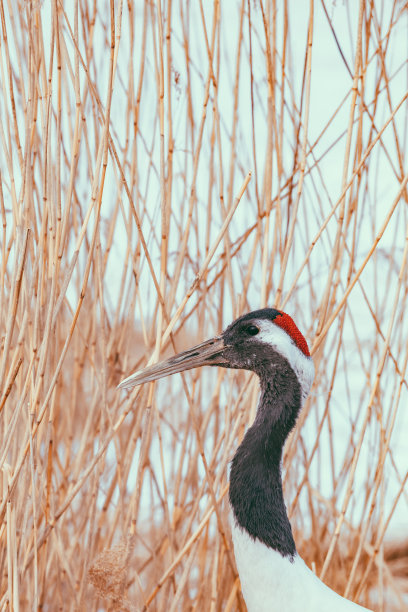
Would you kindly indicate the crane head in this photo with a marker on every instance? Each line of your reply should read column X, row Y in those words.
column 255, row 341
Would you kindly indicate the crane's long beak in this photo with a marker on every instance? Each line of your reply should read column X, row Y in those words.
column 209, row 352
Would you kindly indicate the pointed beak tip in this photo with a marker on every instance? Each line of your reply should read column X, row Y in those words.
column 126, row 383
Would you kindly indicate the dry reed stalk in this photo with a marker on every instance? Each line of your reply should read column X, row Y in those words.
column 129, row 133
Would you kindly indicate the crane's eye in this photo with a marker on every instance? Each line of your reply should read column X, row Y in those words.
column 252, row 330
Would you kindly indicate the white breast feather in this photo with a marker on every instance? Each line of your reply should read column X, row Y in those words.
column 272, row 583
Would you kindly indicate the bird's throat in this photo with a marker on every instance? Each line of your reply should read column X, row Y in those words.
column 256, row 494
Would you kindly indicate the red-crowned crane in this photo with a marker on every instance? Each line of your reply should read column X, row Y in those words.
column 273, row 576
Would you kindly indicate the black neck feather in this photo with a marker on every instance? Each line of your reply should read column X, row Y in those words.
column 256, row 494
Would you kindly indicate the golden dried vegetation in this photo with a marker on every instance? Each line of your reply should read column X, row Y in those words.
column 165, row 167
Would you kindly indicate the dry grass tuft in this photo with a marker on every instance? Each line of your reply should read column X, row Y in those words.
column 165, row 167
column 109, row 574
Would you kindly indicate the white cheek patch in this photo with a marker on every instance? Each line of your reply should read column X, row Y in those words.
column 283, row 344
